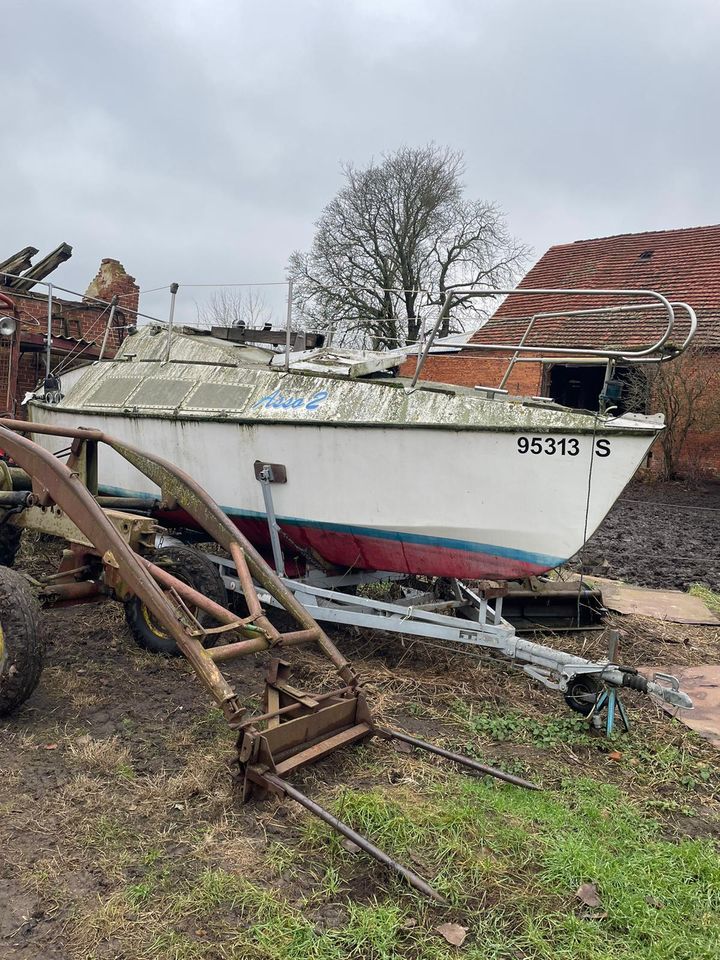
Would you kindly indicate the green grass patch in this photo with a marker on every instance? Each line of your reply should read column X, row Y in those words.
column 510, row 862
column 708, row 596
column 673, row 761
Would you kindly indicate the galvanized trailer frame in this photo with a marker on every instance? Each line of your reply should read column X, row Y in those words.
column 473, row 618
column 109, row 555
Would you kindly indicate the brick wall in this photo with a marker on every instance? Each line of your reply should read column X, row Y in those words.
column 113, row 280
column 474, row 369
column 72, row 321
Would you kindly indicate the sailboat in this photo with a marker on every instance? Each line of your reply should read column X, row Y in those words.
column 377, row 471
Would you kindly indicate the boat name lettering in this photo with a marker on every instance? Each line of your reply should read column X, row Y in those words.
column 280, row 401
column 564, row 446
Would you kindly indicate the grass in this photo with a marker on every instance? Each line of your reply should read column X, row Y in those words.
column 673, row 761
column 190, row 885
column 512, row 725
column 509, row 862
column 709, row 597
column 134, row 844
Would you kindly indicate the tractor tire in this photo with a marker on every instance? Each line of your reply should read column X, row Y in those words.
column 582, row 693
column 10, row 538
column 22, row 641
column 194, row 569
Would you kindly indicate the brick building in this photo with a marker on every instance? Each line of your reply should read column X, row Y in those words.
column 78, row 325
column 683, row 265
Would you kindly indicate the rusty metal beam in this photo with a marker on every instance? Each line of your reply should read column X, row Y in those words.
column 68, row 492
column 194, row 597
column 458, row 758
column 179, row 486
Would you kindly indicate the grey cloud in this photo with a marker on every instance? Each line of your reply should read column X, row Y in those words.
column 198, row 141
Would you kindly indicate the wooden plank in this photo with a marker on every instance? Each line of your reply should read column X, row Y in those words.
column 42, row 268
column 18, row 262
column 672, row 606
column 250, row 335
column 702, row 683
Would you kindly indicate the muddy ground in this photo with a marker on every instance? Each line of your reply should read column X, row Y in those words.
column 118, row 771
column 662, row 535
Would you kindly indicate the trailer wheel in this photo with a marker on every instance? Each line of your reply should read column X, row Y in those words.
column 10, row 538
column 194, row 569
column 582, row 693
column 22, row 641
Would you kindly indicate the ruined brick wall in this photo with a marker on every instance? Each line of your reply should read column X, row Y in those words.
column 113, row 280
column 71, row 321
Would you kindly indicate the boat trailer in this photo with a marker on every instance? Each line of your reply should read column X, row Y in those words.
column 468, row 617
column 113, row 553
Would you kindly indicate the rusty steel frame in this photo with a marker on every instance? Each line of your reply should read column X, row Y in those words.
column 296, row 728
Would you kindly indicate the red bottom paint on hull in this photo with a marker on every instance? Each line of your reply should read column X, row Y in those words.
column 363, row 552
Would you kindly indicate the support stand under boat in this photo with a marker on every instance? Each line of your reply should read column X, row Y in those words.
column 472, row 618
column 110, row 553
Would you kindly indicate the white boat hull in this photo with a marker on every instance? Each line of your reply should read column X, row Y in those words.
column 467, row 503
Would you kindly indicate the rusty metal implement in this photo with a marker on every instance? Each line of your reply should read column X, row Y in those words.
column 110, row 553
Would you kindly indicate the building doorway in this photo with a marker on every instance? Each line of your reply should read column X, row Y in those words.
column 579, row 386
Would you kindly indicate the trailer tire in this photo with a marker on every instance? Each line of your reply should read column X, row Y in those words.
column 582, row 693
column 22, row 641
column 10, row 538
column 194, row 569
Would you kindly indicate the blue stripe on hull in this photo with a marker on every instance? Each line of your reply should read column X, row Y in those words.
column 546, row 561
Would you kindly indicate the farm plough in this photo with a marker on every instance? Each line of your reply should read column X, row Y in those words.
column 175, row 603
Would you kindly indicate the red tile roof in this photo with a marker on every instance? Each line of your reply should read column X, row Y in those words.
column 680, row 264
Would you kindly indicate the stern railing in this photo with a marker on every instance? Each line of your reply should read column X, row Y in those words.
column 658, row 352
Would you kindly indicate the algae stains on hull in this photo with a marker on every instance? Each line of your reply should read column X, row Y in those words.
column 208, row 386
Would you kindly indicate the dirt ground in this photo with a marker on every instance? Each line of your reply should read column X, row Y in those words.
column 118, row 772
column 660, row 535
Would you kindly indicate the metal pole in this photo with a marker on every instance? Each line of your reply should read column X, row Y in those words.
column 266, row 476
column 173, row 293
column 287, row 325
column 412, row 878
column 49, row 331
column 113, row 304
column 515, row 356
column 609, row 374
column 457, row 758
column 433, row 333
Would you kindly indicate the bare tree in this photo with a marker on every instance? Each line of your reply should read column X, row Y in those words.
column 234, row 308
column 687, row 391
column 397, row 238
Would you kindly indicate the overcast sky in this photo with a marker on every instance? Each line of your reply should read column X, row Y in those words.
column 198, row 140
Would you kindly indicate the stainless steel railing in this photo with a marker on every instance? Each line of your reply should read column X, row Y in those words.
column 652, row 354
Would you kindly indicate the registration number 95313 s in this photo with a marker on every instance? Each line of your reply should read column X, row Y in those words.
column 560, row 446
